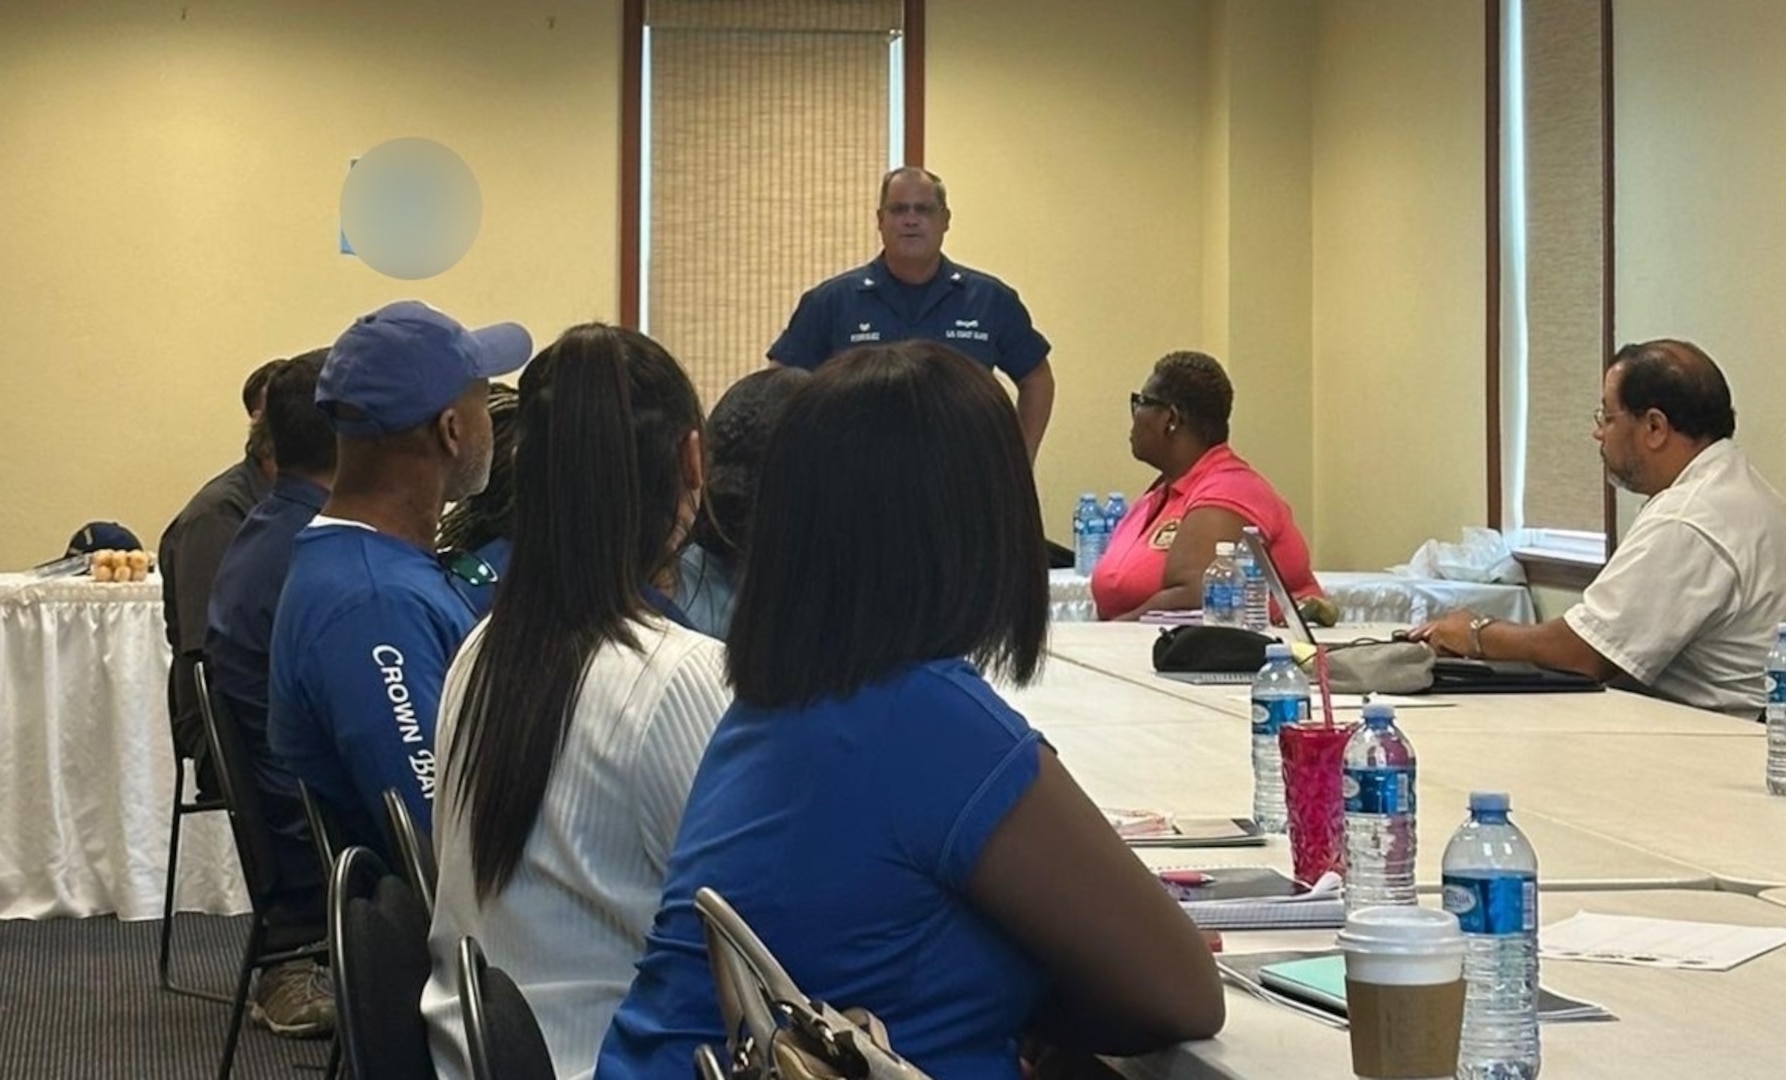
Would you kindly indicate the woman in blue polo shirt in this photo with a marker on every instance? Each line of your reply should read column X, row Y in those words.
column 896, row 833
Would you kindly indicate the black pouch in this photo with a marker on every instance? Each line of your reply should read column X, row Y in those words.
column 1209, row 648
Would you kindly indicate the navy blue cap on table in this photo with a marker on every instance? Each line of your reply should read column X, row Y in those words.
column 100, row 536
column 406, row 362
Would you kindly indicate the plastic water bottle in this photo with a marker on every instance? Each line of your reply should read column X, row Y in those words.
column 1255, row 601
column 1097, row 533
column 1280, row 697
column 1491, row 885
column 1776, row 714
column 1221, row 588
column 1083, row 559
column 1380, row 804
column 1115, row 507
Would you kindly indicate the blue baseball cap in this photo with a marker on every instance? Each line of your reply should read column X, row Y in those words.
column 102, row 536
column 404, row 363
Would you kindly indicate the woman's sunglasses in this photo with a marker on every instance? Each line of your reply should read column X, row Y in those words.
column 1139, row 401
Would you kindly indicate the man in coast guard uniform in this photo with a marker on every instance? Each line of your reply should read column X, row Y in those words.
column 910, row 290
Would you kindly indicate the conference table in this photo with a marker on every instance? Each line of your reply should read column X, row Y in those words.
column 86, row 758
column 1671, row 1022
column 1129, row 747
column 1634, row 806
column 1681, row 785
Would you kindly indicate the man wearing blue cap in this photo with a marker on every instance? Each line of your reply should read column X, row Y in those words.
column 368, row 620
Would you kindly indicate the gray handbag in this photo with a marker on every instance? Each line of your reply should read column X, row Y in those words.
column 1376, row 667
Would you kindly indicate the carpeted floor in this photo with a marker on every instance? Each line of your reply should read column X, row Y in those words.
column 79, row 1000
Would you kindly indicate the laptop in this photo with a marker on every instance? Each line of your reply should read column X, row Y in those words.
column 1296, row 629
column 1459, row 675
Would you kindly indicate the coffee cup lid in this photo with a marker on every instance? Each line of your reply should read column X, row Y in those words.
column 1401, row 930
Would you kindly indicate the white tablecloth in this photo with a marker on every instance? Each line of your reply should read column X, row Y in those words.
column 86, row 759
column 1362, row 598
column 1388, row 598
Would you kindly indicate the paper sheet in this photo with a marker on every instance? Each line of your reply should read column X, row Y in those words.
column 1666, row 943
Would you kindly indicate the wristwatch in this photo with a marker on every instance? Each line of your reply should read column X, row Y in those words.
column 1476, row 627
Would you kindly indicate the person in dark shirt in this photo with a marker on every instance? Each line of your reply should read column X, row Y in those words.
column 291, row 999
column 912, row 290
column 191, row 547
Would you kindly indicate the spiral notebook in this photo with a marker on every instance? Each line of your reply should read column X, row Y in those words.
column 1260, row 898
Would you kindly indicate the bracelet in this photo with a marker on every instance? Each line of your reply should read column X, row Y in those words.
column 1477, row 625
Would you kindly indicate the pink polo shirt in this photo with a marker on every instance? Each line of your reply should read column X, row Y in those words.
column 1134, row 565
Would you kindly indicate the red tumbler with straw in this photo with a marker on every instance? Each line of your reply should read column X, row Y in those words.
column 1313, row 753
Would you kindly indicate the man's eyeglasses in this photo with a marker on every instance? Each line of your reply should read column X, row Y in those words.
column 1601, row 416
column 922, row 209
column 1139, row 401
column 466, row 566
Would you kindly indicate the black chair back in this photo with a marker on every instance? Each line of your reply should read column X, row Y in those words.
column 414, row 848
column 325, row 835
column 378, row 948
column 241, row 797
column 502, row 1037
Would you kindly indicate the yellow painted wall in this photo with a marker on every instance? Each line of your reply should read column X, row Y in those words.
column 1700, row 145
column 168, row 192
column 1069, row 140
column 1294, row 186
column 1399, row 245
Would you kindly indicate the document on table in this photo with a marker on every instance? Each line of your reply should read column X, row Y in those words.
column 1667, row 943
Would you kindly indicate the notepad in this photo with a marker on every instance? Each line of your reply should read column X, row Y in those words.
column 1198, row 832
column 1259, row 898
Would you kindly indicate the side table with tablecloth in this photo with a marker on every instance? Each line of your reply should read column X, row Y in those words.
column 1361, row 597
column 86, row 759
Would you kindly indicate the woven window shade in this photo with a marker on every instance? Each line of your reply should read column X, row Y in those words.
column 768, row 137
column 1565, row 262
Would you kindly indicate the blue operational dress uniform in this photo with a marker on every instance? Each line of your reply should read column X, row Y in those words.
column 972, row 312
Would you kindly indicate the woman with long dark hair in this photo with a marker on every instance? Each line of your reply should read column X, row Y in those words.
column 896, row 833
column 573, row 717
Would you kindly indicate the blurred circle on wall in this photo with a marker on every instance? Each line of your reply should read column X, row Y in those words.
column 410, row 208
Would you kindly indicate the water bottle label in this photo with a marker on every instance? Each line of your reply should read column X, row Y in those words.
column 1500, row 903
column 1379, row 791
column 1776, row 688
column 1270, row 714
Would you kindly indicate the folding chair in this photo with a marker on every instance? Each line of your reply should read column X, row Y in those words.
column 268, row 944
column 502, row 1036
column 182, row 807
column 323, row 831
column 414, row 849
column 378, row 945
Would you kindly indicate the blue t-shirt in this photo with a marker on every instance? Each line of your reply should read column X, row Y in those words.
column 846, row 834
column 974, row 313
column 367, row 625
column 239, row 622
column 704, row 591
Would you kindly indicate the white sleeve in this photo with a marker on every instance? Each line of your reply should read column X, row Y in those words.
column 1664, row 583
column 694, row 697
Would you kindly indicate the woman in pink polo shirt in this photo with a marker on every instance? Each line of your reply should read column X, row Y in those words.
column 1205, row 493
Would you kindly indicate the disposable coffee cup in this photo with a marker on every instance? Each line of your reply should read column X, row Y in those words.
column 1404, row 992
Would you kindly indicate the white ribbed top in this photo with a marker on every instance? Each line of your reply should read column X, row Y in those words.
column 571, row 923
